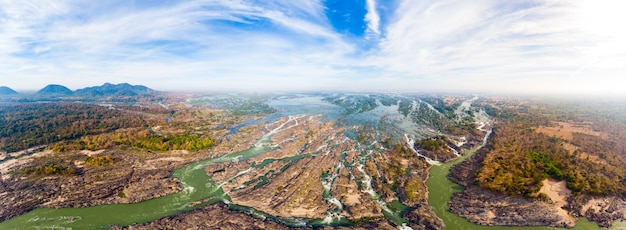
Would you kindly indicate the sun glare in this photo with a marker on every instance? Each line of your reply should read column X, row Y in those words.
column 599, row 23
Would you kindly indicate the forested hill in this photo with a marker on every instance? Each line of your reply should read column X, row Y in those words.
column 54, row 90
column 108, row 89
column 6, row 91
column 105, row 90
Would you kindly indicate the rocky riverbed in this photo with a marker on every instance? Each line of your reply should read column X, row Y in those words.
column 603, row 210
column 125, row 181
column 315, row 171
column 286, row 181
column 219, row 216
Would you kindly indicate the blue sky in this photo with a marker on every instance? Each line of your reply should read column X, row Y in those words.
column 539, row 46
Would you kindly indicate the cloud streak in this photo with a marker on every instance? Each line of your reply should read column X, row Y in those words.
column 372, row 18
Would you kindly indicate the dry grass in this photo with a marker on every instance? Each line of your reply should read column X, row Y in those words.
column 593, row 158
column 566, row 130
column 570, row 147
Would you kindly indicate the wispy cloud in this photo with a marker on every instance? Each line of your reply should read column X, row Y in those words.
column 521, row 45
column 195, row 41
column 372, row 18
column 243, row 44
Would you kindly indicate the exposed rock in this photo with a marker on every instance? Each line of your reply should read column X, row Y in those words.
column 216, row 216
column 423, row 217
column 464, row 173
column 486, row 208
column 284, row 187
column 603, row 210
column 310, row 154
column 121, row 182
column 357, row 204
column 219, row 216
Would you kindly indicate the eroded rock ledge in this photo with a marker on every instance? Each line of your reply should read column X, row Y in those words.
column 122, row 182
column 219, row 216
column 602, row 210
column 216, row 216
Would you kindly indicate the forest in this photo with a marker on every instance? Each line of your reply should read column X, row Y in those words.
column 576, row 142
column 141, row 139
column 32, row 124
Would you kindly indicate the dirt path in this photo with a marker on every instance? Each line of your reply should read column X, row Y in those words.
column 558, row 192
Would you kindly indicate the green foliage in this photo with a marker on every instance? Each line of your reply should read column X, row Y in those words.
column 547, row 164
column 26, row 125
column 185, row 141
column 309, row 134
column 238, row 105
column 432, row 144
column 520, row 158
column 143, row 139
column 100, row 160
column 401, row 150
column 362, row 138
column 413, row 188
column 49, row 169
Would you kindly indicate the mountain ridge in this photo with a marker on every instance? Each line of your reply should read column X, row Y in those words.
column 105, row 90
column 4, row 90
column 108, row 89
column 55, row 90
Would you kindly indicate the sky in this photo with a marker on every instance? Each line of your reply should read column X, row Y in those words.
column 534, row 46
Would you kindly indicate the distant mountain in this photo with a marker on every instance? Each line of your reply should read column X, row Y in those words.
column 108, row 89
column 55, row 90
column 6, row 91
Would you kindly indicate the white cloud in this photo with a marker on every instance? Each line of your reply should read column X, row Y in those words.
column 517, row 45
column 433, row 44
column 372, row 18
column 127, row 44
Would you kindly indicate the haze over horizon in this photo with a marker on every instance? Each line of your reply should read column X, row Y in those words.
column 524, row 46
